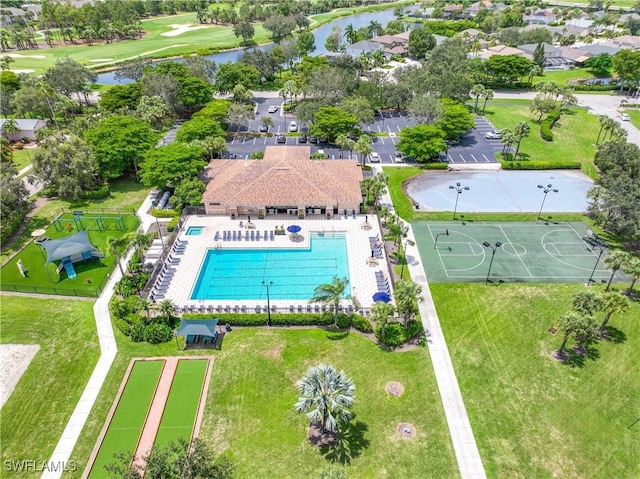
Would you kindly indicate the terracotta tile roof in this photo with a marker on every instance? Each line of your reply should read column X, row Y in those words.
column 285, row 177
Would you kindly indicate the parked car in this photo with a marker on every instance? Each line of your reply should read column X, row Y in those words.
column 398, row 157
column 313, row 139
column 493, row 135
column 302, row 139
column 293, row 126
column 374, row 157
column 443, row 157
column 281, row 139
column 273, row 109
column 624, row 116
column 230, row 156
column 264, row 128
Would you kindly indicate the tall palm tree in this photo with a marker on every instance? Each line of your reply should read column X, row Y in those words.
column 381, row 314
column 520, row 131
column 614, row 261
column 612, row 303
column 397, row 232
column 476, row 91
column 487, row 94
column 632, row 268
column 570, row 324
column 166, row 308
column 586, row 302
column 331, row 293
column 9, row 127
column 363, row 146
column 507, row 140
column 603, row 124
column 143, row 304
column 407, row 295
column 116, row 245
column 350, row 34
column 326, row 395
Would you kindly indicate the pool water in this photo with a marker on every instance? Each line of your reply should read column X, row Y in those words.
column 295, row 273
column 195, row 230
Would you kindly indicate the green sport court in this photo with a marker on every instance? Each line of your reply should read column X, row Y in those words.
column 529, row 252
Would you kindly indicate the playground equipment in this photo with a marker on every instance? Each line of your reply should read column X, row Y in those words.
column 84, row 222
column 68, row 267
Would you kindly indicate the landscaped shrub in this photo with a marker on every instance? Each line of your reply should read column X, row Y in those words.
column 256, row 155
column 394, row 335
column 99, row 194
column 126, row 287
column 548, row 123
column 135, row 261
column 123, row 326
column 344, row 321
column 434, row 166
column 137, row 332
column 156, row 333
column 119, row 308
column 163, row 213
column 361, row 323
column 260, row 319
column 171, row 225
column 541, row 165
column 413, row 327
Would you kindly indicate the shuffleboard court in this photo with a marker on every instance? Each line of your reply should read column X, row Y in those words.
column 528, row 252
column 181, row 409
column 130, row 414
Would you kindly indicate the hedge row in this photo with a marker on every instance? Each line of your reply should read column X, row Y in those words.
column 595, row 87
column 292, row 319
column 163, row 213
column 396, row 335
column 434, row 166
column 541, row 165
column 548, row 123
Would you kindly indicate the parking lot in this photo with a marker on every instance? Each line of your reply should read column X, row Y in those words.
column 473, row 147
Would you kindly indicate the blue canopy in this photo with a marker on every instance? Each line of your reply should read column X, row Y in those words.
column 75, row 244
column 294, row 229
column 381, row 296
column 197, row 327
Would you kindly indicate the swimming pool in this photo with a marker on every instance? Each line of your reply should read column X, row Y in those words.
column 195, row 230
column 238, row 274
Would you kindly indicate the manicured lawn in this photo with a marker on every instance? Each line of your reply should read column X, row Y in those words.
column 532, row 416
column 126, row 197
column 22, row 158
column 38, row 410
column 43, row 278
column 574, row 134
column 249, row 411
column 561, row 77
column 634, row 114
column 129, row 418
column 180, row 411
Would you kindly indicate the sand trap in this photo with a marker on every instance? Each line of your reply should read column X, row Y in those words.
column 22, row 71
column 17, row 55
column 100, row 60
column 14, row 361
column 180, row 28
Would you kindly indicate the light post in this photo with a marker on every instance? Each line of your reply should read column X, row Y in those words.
column 160, row 233
column 404, row 254
column 546, row 190
column 267, row 285
column 459, row 189
column 601, row 247
column 494, row 248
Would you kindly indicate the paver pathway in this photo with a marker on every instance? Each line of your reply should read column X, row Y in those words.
column 152, row 423
column 464, row 443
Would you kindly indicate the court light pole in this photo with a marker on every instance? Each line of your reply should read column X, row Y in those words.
column 459, row 189
column 494, row 248
column 546, row 190
column 267, row 285
column 404, row 254
column 601, row 247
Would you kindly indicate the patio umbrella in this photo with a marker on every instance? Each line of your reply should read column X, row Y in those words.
column 380, row 296
column 294, row 229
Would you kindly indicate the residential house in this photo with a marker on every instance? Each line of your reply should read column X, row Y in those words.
column 540, row 17
column 27, row 128
column 364, row 47
column 502, row 50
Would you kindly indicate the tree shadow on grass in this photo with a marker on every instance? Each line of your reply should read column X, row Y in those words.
column 578, row 357
column 615, row 335
column 337, row 335
column 351, row 443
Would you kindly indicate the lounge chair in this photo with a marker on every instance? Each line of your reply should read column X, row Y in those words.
column 317, row 308
column 292, row 308
column 234, row 235
column 227, row 308
column 219, row 308
column 271, row 235
column 309, row 308
column 300, row 308
column 239, row 235
column 241, row 224
column 216, row 236
column 257, row 235
column 266, row 235
column 253, row 235
column 350, row 308
column 210, row 308
column 258, row 309
column 244, row 308
column 353, row 213
column 236, row 309
column 274, row 308
column 246, row 235
column 345, row 214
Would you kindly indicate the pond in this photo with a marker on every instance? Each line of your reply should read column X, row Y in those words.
column 594, row 81
column 320, row 34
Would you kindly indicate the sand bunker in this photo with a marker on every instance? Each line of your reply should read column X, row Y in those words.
column 22, row 71
column 179, row 29
column 14, row 361
column 17, row 55
column 100, row 60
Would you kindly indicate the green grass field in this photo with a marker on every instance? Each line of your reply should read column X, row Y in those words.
column 44, row 278
column 574, row 134
column 38, row 410
column 22, row 158
column 532, row 416
column 634, row 114
column 562, row 77
column 180, row 411
column 529, row 252
column 130, row 415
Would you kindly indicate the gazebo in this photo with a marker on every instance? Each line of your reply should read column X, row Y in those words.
column 198, row 331
column 69, row 250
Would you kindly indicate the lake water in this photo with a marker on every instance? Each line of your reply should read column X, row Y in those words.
column 320, row 34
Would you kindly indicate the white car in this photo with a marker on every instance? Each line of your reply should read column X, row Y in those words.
column 493, row 135
column 624, row 116
column 374, row 157
column 293, row 126
column 273, row 109
column 398, row 157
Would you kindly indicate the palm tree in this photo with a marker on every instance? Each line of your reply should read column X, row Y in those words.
column 407, row 295
column 534, row 71
column 375, row 28
column 586, row 302
column 342, row 141
column 363, row 146
column 570, row 323
column 632, row 268
column 141, row 240
column 520, row 131
column 10, row 127
column 381, row 314
column 487, row 94
column 326, row 395
column 166, row 308
column 507, row 140
column 603, row 124
column 143, row 304
column 350, row 34
column 614, row 261
column 116, row 245
column 612, row 303
column 330, row 293
column 397, row 232
column 378, row 58
column 476, row 91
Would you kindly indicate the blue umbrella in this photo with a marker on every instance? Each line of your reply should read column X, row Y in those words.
column 294, row 229
column 381, row 296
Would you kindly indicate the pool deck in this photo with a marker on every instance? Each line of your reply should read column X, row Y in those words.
column 362, row 274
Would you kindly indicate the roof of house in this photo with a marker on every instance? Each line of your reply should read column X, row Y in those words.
column 403, row 35
column 397, row 50
column 364, row 46
column 25, row 124
column 502, row 50
column 388, row 39
column 286, row 176
column 549, row 50
column 597, row 48
column 632, row 41
column 470, row 32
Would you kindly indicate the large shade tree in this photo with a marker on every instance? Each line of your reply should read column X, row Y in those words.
column 170, row 164
column 326, row 395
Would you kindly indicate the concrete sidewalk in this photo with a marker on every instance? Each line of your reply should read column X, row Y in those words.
column 464, row 444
